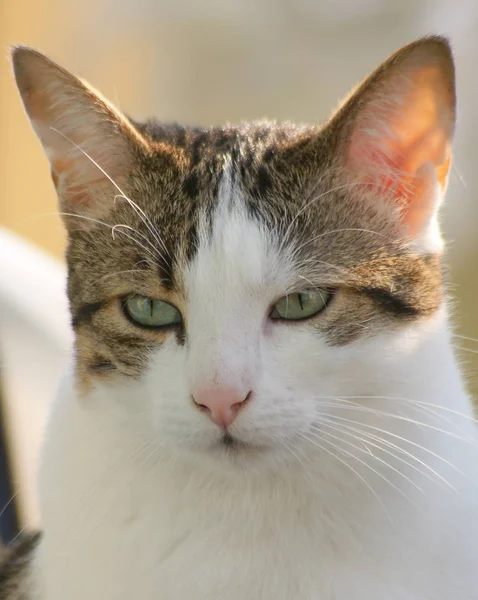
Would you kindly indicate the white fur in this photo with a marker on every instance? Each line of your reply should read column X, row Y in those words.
column 138, row 503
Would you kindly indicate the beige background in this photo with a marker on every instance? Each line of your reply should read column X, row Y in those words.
column 208, row 61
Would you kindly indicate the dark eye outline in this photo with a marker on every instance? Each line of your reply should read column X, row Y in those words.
column 330, row 294
column 127, row 313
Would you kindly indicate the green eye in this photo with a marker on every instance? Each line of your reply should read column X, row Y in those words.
column 151, row 313
column 301, row 305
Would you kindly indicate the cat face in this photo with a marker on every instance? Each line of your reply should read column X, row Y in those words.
column 283, row 374
column 242, row 282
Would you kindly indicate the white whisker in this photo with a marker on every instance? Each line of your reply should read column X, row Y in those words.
column 464, row 337
column 121, row 194
column 356, row 473
column 462, row 349
column 403, row 439
column 357, row 229
column 377, row 458
column 400, row 399
column 119, row 228
column 322, row 195
column 368, row 441
column 399, row 449
column 365, row 464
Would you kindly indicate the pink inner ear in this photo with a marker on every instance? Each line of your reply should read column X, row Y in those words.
column 76, row 192
column 373, row 165
column 399, row 147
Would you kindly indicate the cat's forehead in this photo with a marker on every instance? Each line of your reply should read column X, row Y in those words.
column 263, row 197
column 264, row 166
column 235, row 251
column 277, row 177
column 257, row 157
column 185, row 183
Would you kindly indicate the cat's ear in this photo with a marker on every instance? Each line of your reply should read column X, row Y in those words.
column 396, row 131
column 88, row 142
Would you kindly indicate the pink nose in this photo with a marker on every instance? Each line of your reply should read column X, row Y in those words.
column 221, row 404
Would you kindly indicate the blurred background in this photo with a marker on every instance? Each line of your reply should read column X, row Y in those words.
column 198, row 62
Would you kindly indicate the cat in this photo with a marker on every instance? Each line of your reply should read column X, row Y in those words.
column 264, row 402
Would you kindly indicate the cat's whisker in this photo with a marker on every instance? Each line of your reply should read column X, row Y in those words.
column 403, row 439
column 303, row 265
column 459, row 175
column 464, row 337
column 322, row 195
column 321, row 262
column 344, row 230
column 462, row 349
column 369, row 453
column 149, row 225
column 423, row 409
column 299, row 460
column 368, row 466
column 133, row 270
column 345, row 398
column 19, row 534
column 429, row 470
column 138, row 210
column 384, row 414
column 153, row 252
column 352, row 469
column 378, row 443
column 9, row 503
column 313, row 260
column 120, row 227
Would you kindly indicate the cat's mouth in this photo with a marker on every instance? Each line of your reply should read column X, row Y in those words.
column 231, row 443
column 235, row 446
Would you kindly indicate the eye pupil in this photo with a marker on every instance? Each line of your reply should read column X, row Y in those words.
column 149, row 312
column 301, row 305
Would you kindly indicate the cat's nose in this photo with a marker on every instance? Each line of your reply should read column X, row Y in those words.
column 221, row 404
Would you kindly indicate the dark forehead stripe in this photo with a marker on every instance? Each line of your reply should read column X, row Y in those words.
column 390, row 302
column 193, row 189
column 264, row 181
column 191, row 185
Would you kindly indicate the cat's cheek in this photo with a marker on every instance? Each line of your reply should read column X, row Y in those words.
column 173, row 415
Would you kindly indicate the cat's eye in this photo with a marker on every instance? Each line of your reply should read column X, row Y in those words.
column 150, row 312
column 301, row 305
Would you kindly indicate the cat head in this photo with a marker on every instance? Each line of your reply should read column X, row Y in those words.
column 238, row 283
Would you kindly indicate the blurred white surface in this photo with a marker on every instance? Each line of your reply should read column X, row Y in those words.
column 35, row 342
